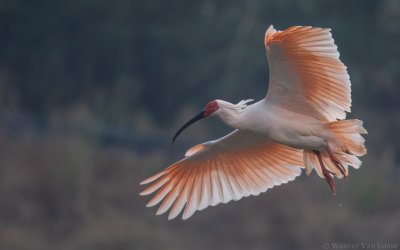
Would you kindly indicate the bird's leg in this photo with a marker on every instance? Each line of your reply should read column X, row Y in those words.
column 327, row 174
column 336, row 161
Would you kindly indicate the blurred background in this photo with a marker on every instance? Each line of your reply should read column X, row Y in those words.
column 91, row 92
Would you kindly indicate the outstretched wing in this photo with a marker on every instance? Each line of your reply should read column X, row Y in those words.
column 306, row 74
column 239, row 164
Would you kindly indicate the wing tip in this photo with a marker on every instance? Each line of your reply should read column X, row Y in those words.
column 161, row 210
column 147, row 191
column 195, row 149
column 187, row 216
column 150, row 205
column 152, row 178
column 172, row 216
column 269, row 35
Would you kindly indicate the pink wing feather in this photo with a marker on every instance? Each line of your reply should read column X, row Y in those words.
column 237, row 165
column 306, row 74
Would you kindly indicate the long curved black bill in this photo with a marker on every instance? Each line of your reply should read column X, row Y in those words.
column 197, row 117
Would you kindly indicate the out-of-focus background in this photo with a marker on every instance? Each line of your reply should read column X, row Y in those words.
column 91, row 92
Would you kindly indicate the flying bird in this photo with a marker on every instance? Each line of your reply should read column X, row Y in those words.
column 300, row 124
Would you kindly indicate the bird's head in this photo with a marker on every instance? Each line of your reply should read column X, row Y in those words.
column 208, row 110
column 214, row 108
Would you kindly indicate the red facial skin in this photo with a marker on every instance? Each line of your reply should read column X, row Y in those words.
column 210, row 108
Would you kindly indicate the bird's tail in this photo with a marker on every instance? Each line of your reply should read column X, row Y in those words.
column 338, row 156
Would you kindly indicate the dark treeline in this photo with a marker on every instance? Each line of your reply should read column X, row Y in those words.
column 92, row 90
column 154, row 56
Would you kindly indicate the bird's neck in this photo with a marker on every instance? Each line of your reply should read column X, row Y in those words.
column 230, row 118
column 231, row 115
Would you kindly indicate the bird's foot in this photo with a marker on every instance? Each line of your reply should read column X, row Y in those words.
column 328, row 175
column 329, row 179
column 336, row 161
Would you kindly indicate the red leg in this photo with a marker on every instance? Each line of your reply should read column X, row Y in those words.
column 336, row 161
column 327, row 174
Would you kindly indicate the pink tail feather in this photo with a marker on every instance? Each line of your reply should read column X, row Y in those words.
column 348, row 146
